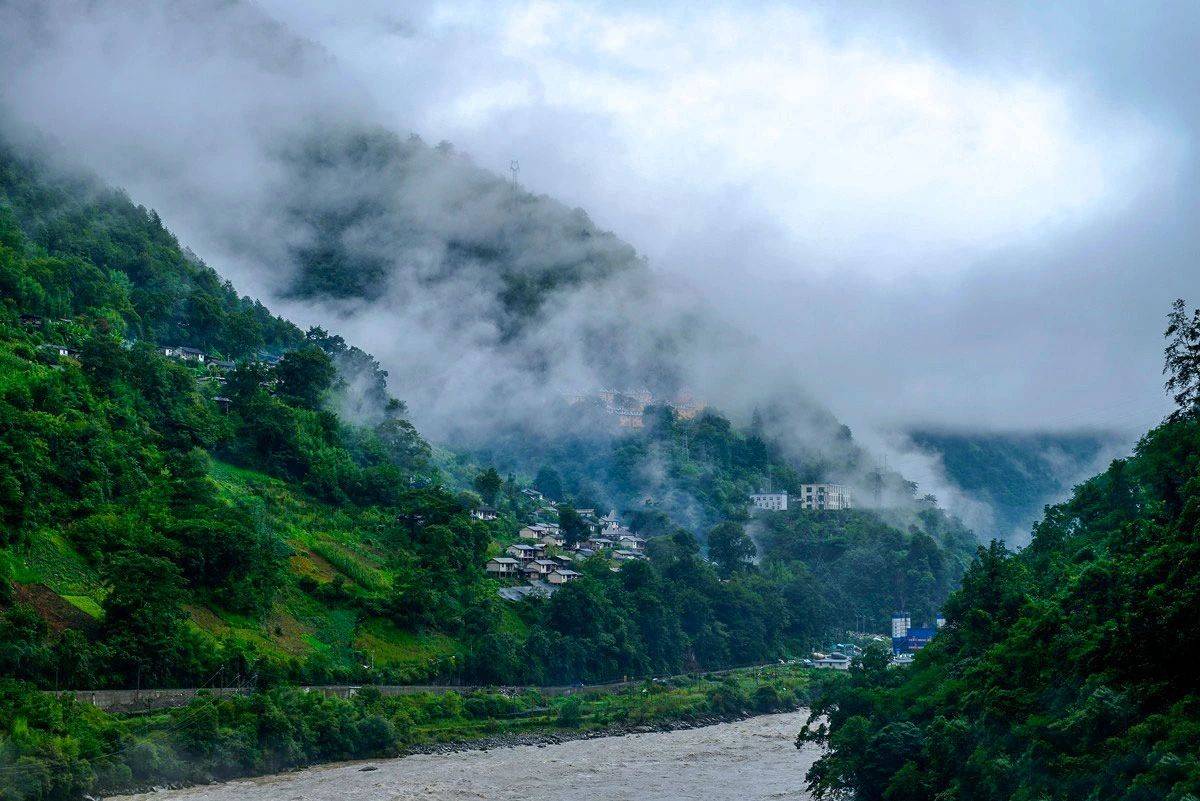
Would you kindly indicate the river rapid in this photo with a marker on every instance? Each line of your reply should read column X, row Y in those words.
column 749, row 760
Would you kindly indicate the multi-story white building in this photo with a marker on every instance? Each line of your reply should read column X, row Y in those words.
column 774, row 501
column 824, row 496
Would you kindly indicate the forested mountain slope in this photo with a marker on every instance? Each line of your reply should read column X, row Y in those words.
column 857, row 564
column 1064, row 672
column 165, row 518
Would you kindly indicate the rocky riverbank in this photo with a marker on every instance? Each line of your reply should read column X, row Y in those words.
column 751, row 759
column 542, row 738
column 557, row 736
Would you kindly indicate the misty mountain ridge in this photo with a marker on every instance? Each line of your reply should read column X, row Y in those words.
column 483, row 301
column 430, row 212
column 482, row 304
column 1016, row 474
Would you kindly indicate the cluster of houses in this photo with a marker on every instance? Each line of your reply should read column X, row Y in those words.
column 177, row 352
column 810, row 496
column 839, row 657
column 906, row 641
column 543, row 558
column 628, row 406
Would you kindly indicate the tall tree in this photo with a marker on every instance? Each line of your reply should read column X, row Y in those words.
column 730, row 548
column 488, row 484
column 1182, row 359
column 549, row 483
column 305, row 375
column 574, row 528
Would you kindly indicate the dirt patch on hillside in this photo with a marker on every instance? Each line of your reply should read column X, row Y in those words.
column 313, row 565
column 59, row 613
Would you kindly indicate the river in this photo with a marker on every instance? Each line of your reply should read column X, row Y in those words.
column 750, row 760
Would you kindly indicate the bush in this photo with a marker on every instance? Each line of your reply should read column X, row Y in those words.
column 768, row 698
column 376, row 735
column 570, row 712
column 727, row 699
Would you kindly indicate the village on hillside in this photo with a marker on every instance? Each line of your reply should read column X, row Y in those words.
column 628, row 406
column 214, row 369
column 542, row 559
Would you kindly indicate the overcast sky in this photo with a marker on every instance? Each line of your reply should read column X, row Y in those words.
column 972, row 217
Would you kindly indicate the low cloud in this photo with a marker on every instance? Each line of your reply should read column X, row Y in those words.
column 906, row 216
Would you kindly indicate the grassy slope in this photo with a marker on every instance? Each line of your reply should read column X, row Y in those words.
column 327, row 545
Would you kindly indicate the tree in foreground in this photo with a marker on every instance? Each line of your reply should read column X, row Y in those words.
column 549, row 483
column 305, row 375
column 488, row 484
column 1181, row 364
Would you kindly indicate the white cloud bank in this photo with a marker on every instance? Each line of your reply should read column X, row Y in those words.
column 927, row 237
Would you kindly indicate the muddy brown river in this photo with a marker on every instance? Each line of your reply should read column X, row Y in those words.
column 751, row 760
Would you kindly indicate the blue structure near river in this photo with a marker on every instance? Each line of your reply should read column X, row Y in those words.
column 908, row 640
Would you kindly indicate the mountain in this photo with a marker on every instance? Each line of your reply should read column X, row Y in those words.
column 1062, row 672
column 488, row 304
column 1015, row 474
column 166, row 517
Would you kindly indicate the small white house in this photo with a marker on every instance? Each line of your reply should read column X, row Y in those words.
column 771, row 501
column 554, row 538
column 484, row 513
column 541, row 567
column 524, row 552
column 562, row 576
column 60, row 350
column 503, row 567
column 187, row 354
column 632, row 542
column 833, row 661
column 535, row 531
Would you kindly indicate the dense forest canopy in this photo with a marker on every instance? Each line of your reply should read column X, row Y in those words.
column 1063, row 672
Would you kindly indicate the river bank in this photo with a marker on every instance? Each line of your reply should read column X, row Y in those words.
column 753, row 759
column 216, row 739
column 541, row 739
